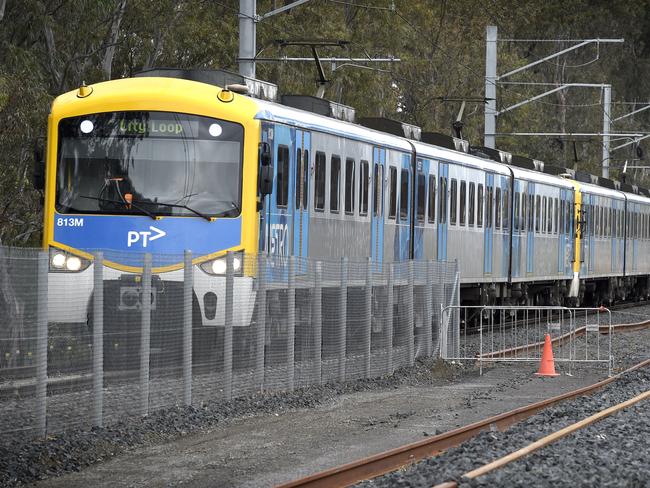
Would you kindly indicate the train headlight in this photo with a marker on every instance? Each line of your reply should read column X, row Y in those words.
column 61, row 261
column 73, row 263
column 218, row 267
column 58, row 260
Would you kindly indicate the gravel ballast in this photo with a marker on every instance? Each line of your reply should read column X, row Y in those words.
column 592, row 457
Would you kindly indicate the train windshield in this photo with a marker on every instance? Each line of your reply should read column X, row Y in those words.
column 149, row 163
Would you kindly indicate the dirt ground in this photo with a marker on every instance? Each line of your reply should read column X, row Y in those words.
column 265, row 450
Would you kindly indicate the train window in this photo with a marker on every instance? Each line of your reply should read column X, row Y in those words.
column 404, row 195
column 422, row 197
column 363, row 190
column 305, row 178
column 561, row 221
column 505, row 218
column 497, row 211
column 463, row 203
column 599, row 231
column 298, row 178
column 319, row 181
column 378, row 194
column 349, row 186
column 549, row 216
column 538, row 213
column 442, row 200
column 335, row 182
column 556, row 216
column 392, row 208
column 515, row 224
column 282, row 180
column 543, row 216
column 302, row 177
column 479, row 206
column 524, row 210
column 471, row 204
column 489, row 222
column 432, row 198
column 531, row 213
column 453, row 201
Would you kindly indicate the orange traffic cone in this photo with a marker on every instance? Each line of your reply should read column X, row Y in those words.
column 547, row 365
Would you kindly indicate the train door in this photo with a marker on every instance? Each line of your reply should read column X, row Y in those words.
column 267, row 136
column 377, row 207
column 634, row 221
column 301, row 194
column 621, row 235
column 585, row 234
column 570, row 229
column 280, row 213
column 443, row 199
column 402, row 244
column 488, row 246
column 612, row 234
column 530, row 236
column 420, row 186
column 517, row 226
column 506, row 212
column 562, row 233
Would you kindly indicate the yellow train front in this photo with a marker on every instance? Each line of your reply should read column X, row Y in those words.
column 150, row 165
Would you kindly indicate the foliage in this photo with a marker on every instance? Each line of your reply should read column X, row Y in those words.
column 50, row 46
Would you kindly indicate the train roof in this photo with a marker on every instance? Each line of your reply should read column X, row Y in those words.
column 539, row 177
column 303, row 119
column 435, row 152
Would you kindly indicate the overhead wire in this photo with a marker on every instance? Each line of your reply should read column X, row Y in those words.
column 448, row 56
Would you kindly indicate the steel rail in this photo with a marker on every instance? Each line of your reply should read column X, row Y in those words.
column 385, row 462
column 545, row 441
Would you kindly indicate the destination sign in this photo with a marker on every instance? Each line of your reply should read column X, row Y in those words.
column 158, row 128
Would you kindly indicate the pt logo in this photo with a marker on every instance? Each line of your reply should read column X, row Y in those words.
column 144, row 236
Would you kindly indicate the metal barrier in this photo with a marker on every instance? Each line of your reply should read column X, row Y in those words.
column 502, row 333
column 91, row 347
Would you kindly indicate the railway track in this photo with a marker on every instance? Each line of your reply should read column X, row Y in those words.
column 401, row 457
column 546, row 441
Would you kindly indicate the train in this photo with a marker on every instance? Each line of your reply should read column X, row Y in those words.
column 175, row 160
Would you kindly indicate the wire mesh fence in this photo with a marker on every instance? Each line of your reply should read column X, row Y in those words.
column 517, row 334
column 90, row 347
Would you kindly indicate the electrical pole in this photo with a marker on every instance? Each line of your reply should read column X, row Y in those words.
column 492, row 78
column 247, row 34
column 607, row 102
column 490, row 86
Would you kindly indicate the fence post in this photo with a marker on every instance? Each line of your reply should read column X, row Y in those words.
column 188, row 286
column 228, row 319
column 291, row 322
column 41, row 342
column 317, row 321
column 261, row 320
column 98, row 339
column 389, row 316
column 410, row 322
column 343, row 317
column 428, row 318
column 367, row 317
column 145, row 334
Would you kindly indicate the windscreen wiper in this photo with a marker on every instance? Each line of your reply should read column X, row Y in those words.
column 234, row 207
column 176, row 205
column 137, row 207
